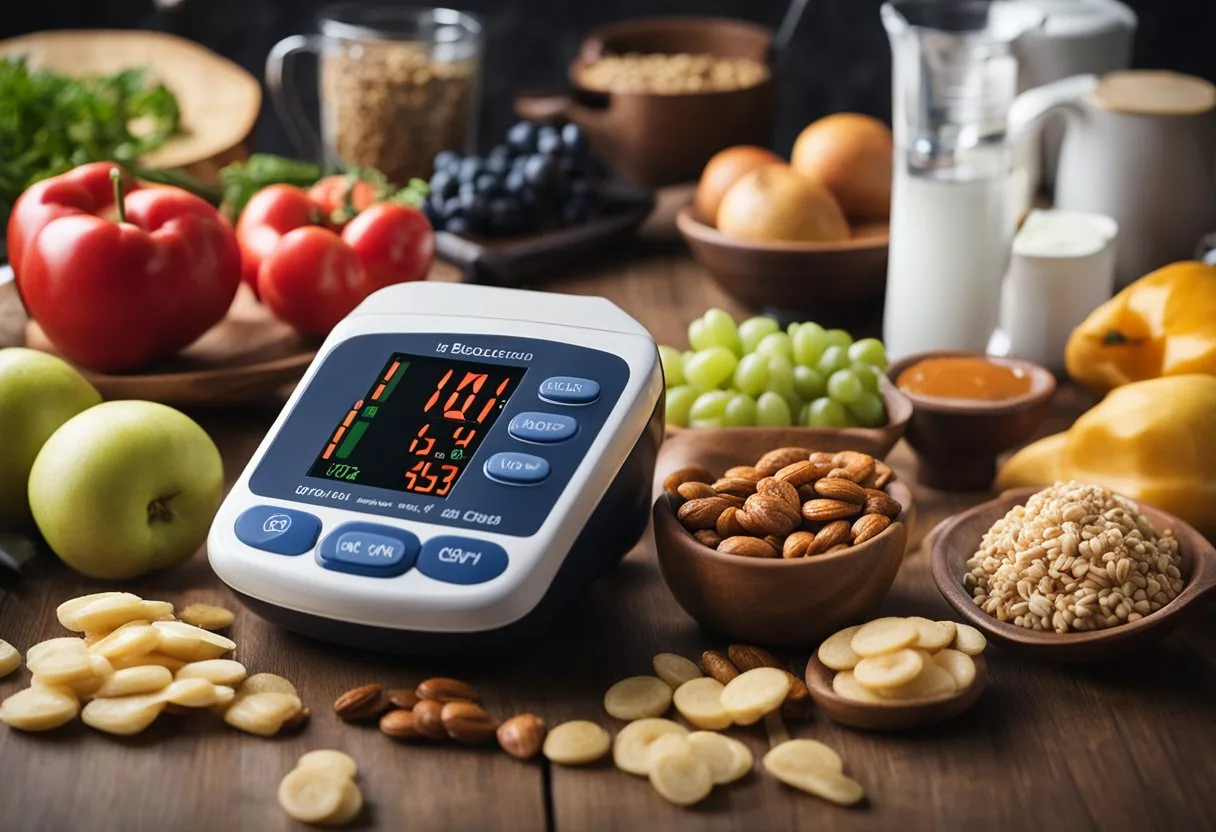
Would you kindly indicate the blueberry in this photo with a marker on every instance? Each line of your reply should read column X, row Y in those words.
column 574, row 139
column 522, row 136
column 457, row 225
column 443, row 184
column 487, row 183
column 470, row 168
column 467, row 189
column 498, row 164
column 538, row 171
column 514, row 182
column 452, row 207
column 500, row 151
column 446, row 159
column 548, row 141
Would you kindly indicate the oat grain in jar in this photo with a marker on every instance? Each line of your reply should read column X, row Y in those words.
column 397, row 85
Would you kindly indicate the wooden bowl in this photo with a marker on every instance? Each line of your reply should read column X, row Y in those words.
column 826, row 282
column 792, row 603
column 696, row 443
column 245, row 357
column 893, row 715
column 957, row 441
column 219, row 100
column 654, row 139
column 960, row 537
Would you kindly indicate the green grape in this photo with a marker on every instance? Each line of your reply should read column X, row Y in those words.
column 869, row 351
column 709, row 368
column 792, row 329
column 834, row 358
column 673, row 365
column 845, row 387
column 796, row 404
column 826, row 413
column 721, row 329
column 776, row 344
column 751, row 374
column 804, row 415
column 869, row 376
column 707, row 424
column 868, row 411
column 809, row 343
column 709, row 405
column 809, row 383
column 772, row 411
column 780, row 375
column 740, row 411
column 679, row 401
column 838, row 338
column 754, row 329
column 699, row 337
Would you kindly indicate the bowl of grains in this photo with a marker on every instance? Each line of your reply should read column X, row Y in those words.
column 1072, row 572
column 659, row 96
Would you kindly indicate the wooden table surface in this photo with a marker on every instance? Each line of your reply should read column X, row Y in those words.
column 1130, row 745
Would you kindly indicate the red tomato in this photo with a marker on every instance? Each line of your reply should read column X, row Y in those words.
column 271, row 213
column 312, row 279
column 395, row 243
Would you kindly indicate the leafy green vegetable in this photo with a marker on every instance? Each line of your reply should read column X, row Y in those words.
column 50, row 123
column 244, row 179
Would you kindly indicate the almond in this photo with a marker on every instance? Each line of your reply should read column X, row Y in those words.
column 428, row 719
column 778, row 543
column 868, row 526
column 738, row 487
column 708, row 537
column 522, row 736
column 821, row 510
column 732, row 499
column 766, row 514
column 775, row 460
column 400, row 725
column 743, row 472
column 695, row 490
column 402, row 698
column 746, row 657
column 690, row 473
column 823, row 458
column 747, row 546
column 702, row 513
column 728, row 524
column 882, row 474
column 783, row 490
column 833, row 534
column 807, row 492
column 797, row 473
column 853, row 465
column 468, row 723
column 796, row 545
column 442, row 689
column 880, row 502
column 361, row 703
column 717, row 666
column 841, row 489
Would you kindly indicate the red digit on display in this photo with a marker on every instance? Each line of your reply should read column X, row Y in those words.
column 421, row 480
column 461, row 438
column 429, row 441
column 449, row 477
column 438, row 389
column 474, row 379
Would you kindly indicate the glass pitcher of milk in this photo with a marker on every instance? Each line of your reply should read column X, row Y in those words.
column 955, row 195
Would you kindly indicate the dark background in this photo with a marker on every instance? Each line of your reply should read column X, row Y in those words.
column 839, row 58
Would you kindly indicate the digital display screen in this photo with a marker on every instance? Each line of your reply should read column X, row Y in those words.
column 419, row 425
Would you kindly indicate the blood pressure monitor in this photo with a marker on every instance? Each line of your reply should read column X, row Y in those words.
column 456, row 465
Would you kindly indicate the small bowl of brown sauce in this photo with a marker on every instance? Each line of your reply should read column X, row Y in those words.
column 968, row 408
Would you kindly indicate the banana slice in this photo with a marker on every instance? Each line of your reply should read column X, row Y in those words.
column 884, row 635
column 889, row 670
column 700, row 702
column 969, row 640
column 957, row 664
column 847, row 686
column 103, row 615
column 352, row 804
column 727, row 758
column 135, row 638
column 630, row 749
column 192, row 693
column 207, row 616
column 266, row 683
column 576, row 743
column 638, row 697
column 262, row 713
column 804, row 754
column 132, row 680
column 123, row 715
column 62, row 667
column 682, row 778
column 10, row 658
column 837, row 652
column 666, row 744
column 314, row 795
column 65, row 611
column 54, row 645
column 814, row 768
column 675, row 670
column 330, row 758
column 930, row 635
column 218, row 672
column 171, row 663
column 39, row 708
column 189, row 643
column 931, row 681
column 751, row 695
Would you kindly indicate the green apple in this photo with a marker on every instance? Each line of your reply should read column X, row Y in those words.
column 126, row 488
column 38, row 393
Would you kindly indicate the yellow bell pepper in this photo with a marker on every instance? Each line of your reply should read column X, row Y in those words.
column 1153, row 441
column 1164, row 324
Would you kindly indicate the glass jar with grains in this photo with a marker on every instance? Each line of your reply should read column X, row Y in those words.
column 397, row 85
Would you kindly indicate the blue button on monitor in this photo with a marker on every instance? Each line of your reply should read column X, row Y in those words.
column 369, row 549
column 282, row 531
column 462, row 560
column 531, row 426
column 517, row 469
column 569, row 390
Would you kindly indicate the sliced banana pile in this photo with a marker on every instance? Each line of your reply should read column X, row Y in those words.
column 321, row 789
column 133, row 661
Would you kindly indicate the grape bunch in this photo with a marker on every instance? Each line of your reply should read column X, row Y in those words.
column 542, row 177
column 755, row 373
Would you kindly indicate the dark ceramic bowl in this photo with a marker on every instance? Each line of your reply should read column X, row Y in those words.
column 957, row 441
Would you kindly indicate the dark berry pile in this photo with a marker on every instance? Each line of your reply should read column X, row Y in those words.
column 542, row 177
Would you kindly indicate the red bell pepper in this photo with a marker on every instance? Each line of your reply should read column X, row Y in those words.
column 311, row 265
column 116, row 281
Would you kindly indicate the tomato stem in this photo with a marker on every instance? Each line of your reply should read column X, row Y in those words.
column 116, row 179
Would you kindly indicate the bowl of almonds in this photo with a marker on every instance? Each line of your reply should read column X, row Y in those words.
column 783, row 549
